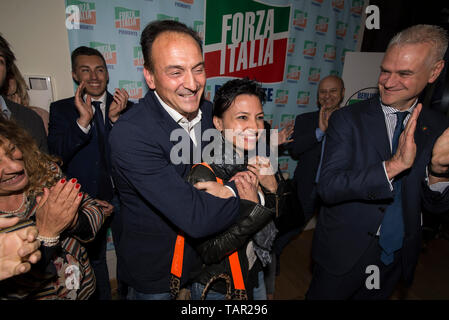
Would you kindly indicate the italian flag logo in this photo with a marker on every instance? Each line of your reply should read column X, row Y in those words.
column 109, row 51
column 246, row 38
column 127, row 19
column 134, row 88
column 137, row 57
column 88, row 14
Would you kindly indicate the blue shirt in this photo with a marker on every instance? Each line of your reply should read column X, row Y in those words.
column 5, row 110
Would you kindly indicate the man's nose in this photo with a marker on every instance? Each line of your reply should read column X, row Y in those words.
column 93, row 75
column 389, row 81
column 190, row 81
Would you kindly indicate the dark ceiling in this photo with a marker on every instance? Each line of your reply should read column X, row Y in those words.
column 396, row 15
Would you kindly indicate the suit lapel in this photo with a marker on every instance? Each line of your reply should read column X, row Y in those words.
column 376, row 129
column 161, row 116
column 422, row 133
column 169, row 125
column 108, row 126
column 423, row 136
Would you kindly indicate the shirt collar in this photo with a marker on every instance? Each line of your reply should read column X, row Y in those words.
column 179, row 118
column 102, row 99
column 390, row 110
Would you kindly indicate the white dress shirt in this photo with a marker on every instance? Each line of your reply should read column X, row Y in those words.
column 188, row 126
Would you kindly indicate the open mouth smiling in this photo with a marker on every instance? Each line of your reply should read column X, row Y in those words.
column 13, row 178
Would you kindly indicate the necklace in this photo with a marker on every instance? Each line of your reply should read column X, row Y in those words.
column 18, row 209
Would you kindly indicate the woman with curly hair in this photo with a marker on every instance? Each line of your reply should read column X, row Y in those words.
column 33, row 188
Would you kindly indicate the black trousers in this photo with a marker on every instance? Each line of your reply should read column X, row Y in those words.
column 357, row 284
column 97, row 249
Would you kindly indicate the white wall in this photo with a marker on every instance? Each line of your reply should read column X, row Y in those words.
column 36, row 31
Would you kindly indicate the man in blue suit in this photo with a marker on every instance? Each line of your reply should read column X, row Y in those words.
column 308, row 136
column 79, row 129
column 384, row 159
column 157, row 202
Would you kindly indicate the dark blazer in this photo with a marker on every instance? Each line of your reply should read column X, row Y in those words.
column 356, row 192
column 30, row 121
column 157, row 202
column 78, row 151
column 307, row 150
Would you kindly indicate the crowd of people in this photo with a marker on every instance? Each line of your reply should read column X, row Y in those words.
column 194, row 215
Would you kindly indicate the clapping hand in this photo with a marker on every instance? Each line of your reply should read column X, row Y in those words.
column 282, row 135
column 440, row 157
column 406, row 151
column 324, row 116
column 118, row 105
column 84, row 107
column 262, row 168
column 58, row 208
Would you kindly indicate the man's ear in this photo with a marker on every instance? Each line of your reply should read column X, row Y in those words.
column 436, row 70
column 342, row 97
column 149, row 78
column 75, row 77
column 218, row 123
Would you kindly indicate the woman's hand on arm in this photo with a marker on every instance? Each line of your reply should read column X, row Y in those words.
column 247, row 185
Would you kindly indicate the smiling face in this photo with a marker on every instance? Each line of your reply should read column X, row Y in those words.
column 242, row 121
column 405, row 71
column 330, row 93
column 93, row 72
column 178, row 74
column 13, row 176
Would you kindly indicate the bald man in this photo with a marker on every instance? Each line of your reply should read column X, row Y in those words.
column 310, row 129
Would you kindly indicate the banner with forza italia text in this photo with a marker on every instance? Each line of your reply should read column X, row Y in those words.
column 287, row 45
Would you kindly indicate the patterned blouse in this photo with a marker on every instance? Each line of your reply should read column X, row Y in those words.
column 64, row 271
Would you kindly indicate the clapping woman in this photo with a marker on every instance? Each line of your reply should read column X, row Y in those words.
column 33, row 189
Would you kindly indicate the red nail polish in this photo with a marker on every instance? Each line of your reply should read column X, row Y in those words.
column 73, row 180
column 77, row 186
column 63, row 181
column 80, row 194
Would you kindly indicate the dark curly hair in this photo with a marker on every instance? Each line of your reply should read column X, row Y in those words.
column 228, row 92
column 37, row 164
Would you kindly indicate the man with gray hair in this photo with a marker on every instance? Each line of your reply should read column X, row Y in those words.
column 385, row 159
